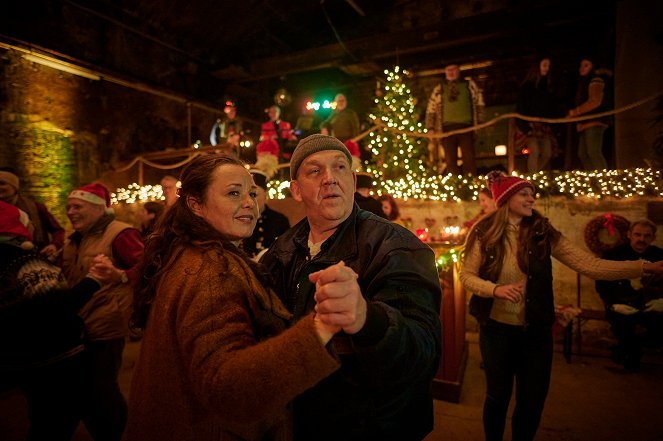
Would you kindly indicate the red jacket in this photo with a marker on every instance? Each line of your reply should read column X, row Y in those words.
column 268, row 131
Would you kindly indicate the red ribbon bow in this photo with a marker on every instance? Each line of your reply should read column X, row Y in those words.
column 609, row 223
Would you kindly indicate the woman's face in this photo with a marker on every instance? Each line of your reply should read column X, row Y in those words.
column 585, row 67
column 230, row 202
column 486, row 203
column 544, row 67
column 521, row 203
column 386, row 207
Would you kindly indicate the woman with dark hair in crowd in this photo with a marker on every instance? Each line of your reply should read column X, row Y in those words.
column 149, row 214
column 508, row 267
column 390, row 209
column 536, row 98
column 216, row 360
column 591, row 98
column 487, row 205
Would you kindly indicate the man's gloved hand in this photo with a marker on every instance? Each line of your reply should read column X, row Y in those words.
column 620, row 308
column 655, row 305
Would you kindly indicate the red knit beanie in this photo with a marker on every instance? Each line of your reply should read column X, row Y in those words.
column 503, row 187
column 11, row 223
column 94, row 193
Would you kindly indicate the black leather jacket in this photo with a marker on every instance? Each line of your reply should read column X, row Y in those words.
column 382, row 390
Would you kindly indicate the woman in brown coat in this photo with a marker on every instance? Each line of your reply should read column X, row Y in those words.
column 216, row 361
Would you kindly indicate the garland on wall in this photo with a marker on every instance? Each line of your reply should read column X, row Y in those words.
column 617, row 184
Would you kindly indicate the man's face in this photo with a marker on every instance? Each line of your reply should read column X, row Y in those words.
column 83, row 214
column 640, row 237
column 273, row 113
column 452, row 72
column 341, row 102
column 7, row 192
column 325, row 183
column 169, row 190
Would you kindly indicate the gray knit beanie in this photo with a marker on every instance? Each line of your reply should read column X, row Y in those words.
column 314, row 144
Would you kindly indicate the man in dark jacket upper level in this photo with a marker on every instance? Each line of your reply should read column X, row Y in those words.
column 630, row 303
column 376, row 281
column 363, row 196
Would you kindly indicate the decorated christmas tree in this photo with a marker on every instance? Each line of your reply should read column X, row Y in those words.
column 397, row 154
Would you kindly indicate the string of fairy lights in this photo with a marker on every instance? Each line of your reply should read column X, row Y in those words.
column 447, row 258
column 617, row 184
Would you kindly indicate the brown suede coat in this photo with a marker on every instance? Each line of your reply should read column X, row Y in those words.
column 207, row 369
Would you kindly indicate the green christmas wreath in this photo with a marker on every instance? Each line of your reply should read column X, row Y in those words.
column 606, row 232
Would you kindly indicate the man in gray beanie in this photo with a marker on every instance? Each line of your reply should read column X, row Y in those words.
column 378, row 284
column 313, row 144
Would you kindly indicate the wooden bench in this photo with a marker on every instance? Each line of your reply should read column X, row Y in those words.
column 585, row 314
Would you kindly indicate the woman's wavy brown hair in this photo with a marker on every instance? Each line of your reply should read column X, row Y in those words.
column 179, row 228
column 535, row 234
column 395, row 212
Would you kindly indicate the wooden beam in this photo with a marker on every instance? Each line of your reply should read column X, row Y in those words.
column 496, row 30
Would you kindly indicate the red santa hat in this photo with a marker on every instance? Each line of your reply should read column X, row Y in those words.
column 14, row 222
column 94, row 193
column 352, row 147
column 502, row 187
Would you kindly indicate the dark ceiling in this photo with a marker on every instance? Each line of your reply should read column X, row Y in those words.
column 214, row 49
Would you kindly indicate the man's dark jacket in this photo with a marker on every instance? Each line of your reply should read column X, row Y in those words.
column 621, row 291
column 383, row 389
column 269, row 227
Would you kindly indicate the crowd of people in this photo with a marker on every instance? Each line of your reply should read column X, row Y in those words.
column 454, row 107
column 457, row 103
column 253, row 329
column 230, row 347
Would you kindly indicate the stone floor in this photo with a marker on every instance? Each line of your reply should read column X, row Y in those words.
column 590, row 399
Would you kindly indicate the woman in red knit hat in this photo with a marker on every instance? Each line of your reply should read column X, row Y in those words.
column 508, row 267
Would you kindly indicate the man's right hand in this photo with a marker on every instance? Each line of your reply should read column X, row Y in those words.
column 102, row 269
column 339, row 301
